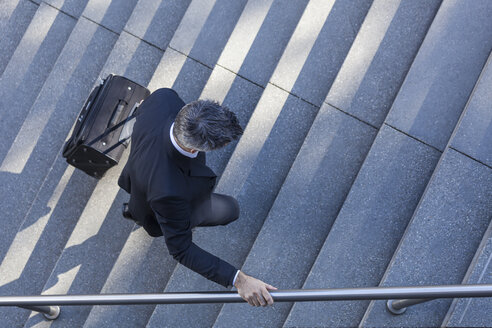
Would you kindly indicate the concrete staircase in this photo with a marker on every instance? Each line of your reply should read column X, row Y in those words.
column 366, row 158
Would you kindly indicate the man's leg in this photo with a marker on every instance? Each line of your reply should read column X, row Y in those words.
column 219, row 210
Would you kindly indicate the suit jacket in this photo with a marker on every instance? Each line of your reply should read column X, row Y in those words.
column 165, row 186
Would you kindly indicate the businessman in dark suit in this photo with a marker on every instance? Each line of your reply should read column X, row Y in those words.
column 171, row 188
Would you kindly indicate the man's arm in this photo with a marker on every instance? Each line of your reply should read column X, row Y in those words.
column 177, row 232
column 173, row 214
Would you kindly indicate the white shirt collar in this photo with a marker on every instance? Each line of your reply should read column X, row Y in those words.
column 178, row 148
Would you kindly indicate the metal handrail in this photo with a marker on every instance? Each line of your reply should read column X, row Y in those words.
column 48, row 304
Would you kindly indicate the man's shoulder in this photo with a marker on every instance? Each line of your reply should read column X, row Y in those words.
column 161, row 104
column 165, row 93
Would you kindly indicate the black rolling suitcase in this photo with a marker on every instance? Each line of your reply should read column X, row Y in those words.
column 103, row 127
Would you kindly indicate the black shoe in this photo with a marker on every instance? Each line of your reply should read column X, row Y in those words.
column 127, row 215
column 126, row 212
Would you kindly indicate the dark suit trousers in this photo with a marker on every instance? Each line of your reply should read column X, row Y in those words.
column 218, row 210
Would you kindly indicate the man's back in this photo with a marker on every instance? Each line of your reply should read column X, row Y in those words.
column 150, row 170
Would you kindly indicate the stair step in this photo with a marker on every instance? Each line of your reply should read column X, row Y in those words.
column 176, row 71
column 38, row 239
column 444, row 72
column 380, row 58
column 15, row 17
column 428, row 252
column 27, row 70
column 474, row 133
column 143, row 266
column 155, row 21
column 34, row 252
column 473, row 139
column 205, row 29
column 241, row 317
column 74, row 8
column 278, row 120
column 368, row 228
column 108, row 13
column 241, row 97
column 440, row 240
column 260, row 37
column 132, row 58
column 395, row 172
column 474, row 312
column 47, row 126
column 276, row 256
column 311, row 60
column 89, row 253
column 49, row 121
column 196, row 30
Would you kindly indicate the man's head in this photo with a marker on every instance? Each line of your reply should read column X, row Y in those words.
column 204, row 125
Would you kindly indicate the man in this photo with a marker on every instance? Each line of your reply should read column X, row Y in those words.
column 171, row 187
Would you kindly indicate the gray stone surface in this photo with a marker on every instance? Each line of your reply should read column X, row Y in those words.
column 190, row 25
column 303, row 212
column 143, row 266
column 260, row 37
column 368, row 228
column 440, row 241
column 59, row 102
column 110, row 14
column 132, row 58
column 15, row 17
column 251, row 144
column 241, row 97
column 380, row 58
column 256, row 196
column 318, row 47
column 205, row 29
column 444, row 72
column 90, row 252
column 28, row 69
column 298, row 46
column 41, row 238
column 71, row 7
column 187, row 76
column 474, row 134
column 475, row 312
column 156, row 20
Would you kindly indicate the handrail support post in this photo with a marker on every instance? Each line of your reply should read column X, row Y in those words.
column 400, row 306
column 49, row 312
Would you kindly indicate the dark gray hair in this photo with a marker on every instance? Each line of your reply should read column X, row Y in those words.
column 205, row 125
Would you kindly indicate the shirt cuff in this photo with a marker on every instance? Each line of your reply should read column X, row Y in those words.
column 234, row 280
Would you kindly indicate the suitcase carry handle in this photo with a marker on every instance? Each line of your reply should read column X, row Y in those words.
column 113, row 128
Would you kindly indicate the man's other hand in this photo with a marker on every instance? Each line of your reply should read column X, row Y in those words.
column 253, row 291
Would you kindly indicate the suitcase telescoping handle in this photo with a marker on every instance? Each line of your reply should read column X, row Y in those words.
column 116, row 117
